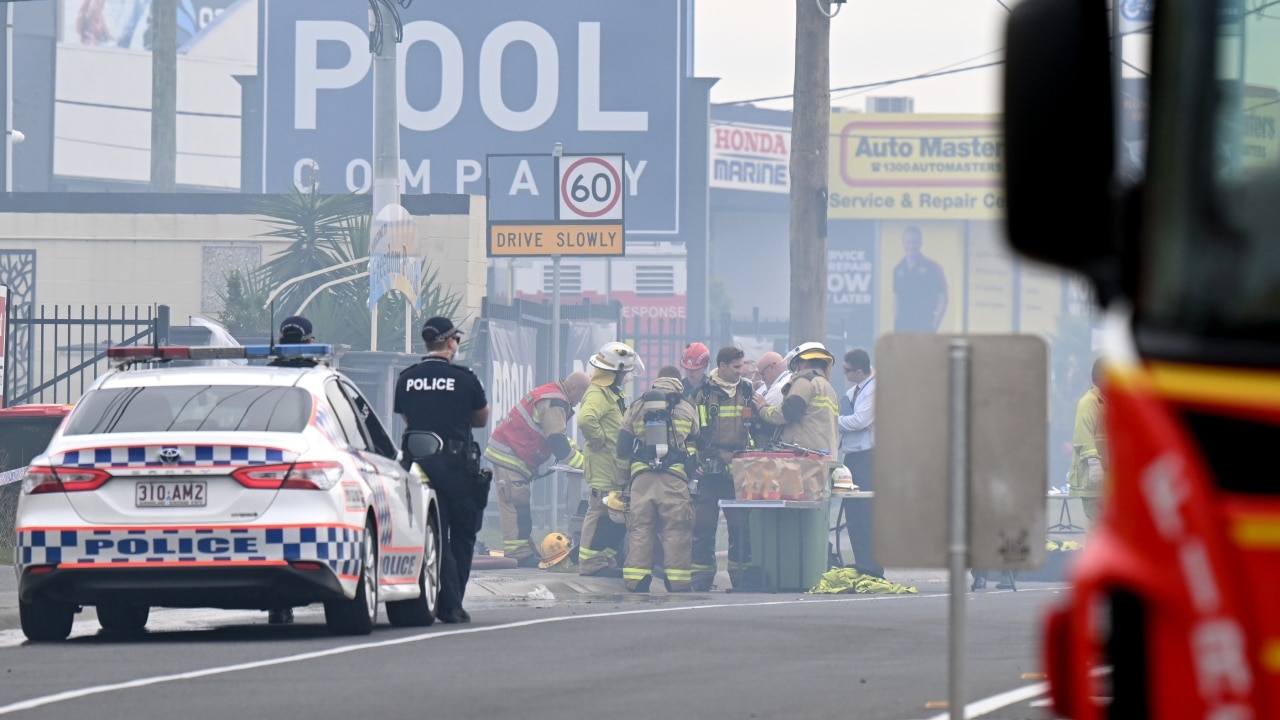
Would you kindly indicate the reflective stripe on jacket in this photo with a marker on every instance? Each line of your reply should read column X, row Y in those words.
column 683, row 428
column 599, row 421
column 818, row 429
column 518, row 441
column 724, row 418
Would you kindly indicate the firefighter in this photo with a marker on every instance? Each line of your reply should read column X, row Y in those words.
column 533, row 432
column 810, row 406
column 599, row 420
column 695, row 359
column 657, row 437
column 1089, row 445
column 725, row 413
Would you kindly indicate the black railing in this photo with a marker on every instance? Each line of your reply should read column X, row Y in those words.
column 58, row 351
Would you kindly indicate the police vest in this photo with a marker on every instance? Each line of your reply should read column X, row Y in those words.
column 517, row 441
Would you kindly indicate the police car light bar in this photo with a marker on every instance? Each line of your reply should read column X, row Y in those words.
column 126, row 355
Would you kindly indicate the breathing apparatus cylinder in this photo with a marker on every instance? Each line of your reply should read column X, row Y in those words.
column 657, row 416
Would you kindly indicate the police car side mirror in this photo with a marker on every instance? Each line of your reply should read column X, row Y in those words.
column 421, row 444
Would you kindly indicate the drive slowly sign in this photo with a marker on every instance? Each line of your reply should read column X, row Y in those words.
column 555, row 205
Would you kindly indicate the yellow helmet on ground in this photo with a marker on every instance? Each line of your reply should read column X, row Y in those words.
column 555, row 547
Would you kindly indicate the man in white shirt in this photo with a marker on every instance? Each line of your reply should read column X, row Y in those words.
column 774, row 374
column 857, row 440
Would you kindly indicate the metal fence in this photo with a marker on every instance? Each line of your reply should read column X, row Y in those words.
column 54, row 353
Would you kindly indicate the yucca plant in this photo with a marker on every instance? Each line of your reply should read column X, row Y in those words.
column 329, row 231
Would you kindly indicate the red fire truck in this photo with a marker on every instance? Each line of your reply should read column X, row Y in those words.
column 1172, row 610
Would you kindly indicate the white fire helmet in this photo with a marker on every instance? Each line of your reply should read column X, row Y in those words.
column 842, row 480
column 616, row 357
column 809, row 351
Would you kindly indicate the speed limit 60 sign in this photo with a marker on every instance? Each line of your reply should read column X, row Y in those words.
column 590, row 187
column 581, row 215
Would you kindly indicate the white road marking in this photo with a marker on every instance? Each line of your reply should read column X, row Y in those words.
column 196, row 619
column 988, row 705
column 331, row 652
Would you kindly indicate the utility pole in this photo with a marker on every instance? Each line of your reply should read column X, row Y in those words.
column 810, row 127
column 164, row 95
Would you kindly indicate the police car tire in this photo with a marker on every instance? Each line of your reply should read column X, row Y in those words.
column 45, row 621
column 421, row 611
column 122, row 617
column 358, row 615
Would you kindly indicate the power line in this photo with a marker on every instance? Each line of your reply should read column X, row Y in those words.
column 944, row 67
column 882, row 83
column 951, row 70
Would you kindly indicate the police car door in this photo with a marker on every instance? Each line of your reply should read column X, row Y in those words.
column 397, row 502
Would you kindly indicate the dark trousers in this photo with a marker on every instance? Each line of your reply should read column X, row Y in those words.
column 461, row 514
column 858, row 513
column 706, row 508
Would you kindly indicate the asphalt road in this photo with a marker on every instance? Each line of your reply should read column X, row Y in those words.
column 708, row 655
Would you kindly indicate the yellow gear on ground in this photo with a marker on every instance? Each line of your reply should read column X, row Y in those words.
column 1069, row 545
column 849, row 580
column 1050, row 545
column 555, row 548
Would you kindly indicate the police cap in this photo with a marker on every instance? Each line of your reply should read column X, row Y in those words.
column 295, row 329
column 438, row 328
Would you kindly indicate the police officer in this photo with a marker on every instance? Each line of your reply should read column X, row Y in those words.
column 657, row 435
column 449, row 400
column 294, row 330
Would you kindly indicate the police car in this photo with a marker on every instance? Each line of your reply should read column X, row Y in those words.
column 251, row 487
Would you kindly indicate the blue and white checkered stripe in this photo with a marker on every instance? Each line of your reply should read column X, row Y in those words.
column 149, row 456
column 337, row 547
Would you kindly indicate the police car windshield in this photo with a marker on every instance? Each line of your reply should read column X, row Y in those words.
column 191, row 408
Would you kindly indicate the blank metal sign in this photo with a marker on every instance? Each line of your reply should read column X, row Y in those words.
column 1008, row 450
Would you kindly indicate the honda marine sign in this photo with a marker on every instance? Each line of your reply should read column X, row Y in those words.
column 508, row 76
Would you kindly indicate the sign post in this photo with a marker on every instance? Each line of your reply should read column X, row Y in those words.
column 4, row 342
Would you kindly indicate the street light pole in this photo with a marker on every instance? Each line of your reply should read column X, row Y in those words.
column 386, row 142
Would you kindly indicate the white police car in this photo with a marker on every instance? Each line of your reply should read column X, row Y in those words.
column 229, row 487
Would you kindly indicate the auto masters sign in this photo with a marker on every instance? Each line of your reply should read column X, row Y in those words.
column 547, row 205
column 920, row 167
